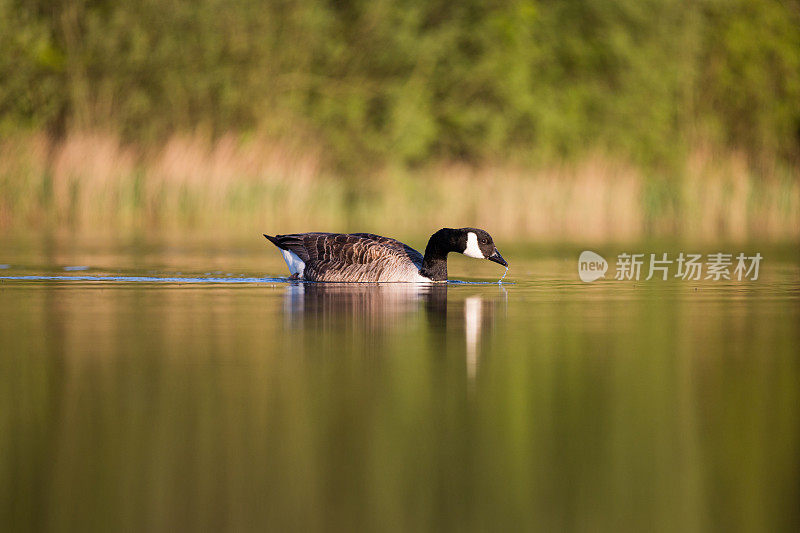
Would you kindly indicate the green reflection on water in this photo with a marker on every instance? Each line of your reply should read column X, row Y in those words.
column 544, row 405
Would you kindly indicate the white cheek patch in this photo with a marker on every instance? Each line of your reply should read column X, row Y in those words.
column 295, row 264
column 472, row 249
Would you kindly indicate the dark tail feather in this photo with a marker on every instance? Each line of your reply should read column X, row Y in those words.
column 273, row 240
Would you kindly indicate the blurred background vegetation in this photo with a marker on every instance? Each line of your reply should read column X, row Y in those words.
column 605, row 119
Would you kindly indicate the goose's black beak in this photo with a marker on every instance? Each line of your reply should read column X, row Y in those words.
column 497, row 258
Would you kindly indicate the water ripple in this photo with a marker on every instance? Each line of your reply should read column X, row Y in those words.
column 184, row 279
column 145, row 279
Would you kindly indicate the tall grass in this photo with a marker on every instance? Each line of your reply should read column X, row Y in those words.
column 90, row 182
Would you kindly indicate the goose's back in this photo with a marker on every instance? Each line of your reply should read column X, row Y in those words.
column 353, row 257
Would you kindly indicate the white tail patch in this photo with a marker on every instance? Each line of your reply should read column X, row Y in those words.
column 472, row 249
column 295, row 264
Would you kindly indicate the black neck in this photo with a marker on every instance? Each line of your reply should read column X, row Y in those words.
column 434, row 264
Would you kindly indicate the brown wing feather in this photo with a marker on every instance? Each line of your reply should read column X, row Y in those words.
column 412, row 254
column 351, row 257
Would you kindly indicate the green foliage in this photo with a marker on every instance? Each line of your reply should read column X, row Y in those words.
column 406, row 82
column 751, row 83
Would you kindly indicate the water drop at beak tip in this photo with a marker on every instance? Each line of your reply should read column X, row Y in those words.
column 500, row 281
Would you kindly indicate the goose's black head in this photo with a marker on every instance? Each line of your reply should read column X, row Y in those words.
column 472, row 242
column 475, row 242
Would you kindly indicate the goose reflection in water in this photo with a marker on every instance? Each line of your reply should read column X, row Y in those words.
column 374, row 309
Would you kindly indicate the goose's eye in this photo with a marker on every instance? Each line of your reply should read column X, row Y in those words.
column 484, row 241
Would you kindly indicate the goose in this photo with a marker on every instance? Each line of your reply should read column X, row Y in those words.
column 365, row 257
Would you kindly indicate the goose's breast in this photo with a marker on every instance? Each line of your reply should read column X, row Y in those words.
column 374, row 271
column 408, row 273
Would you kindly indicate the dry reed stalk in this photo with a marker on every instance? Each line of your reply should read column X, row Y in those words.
column 90, row 181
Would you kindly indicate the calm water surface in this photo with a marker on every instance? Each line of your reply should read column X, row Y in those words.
column 174, row 386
